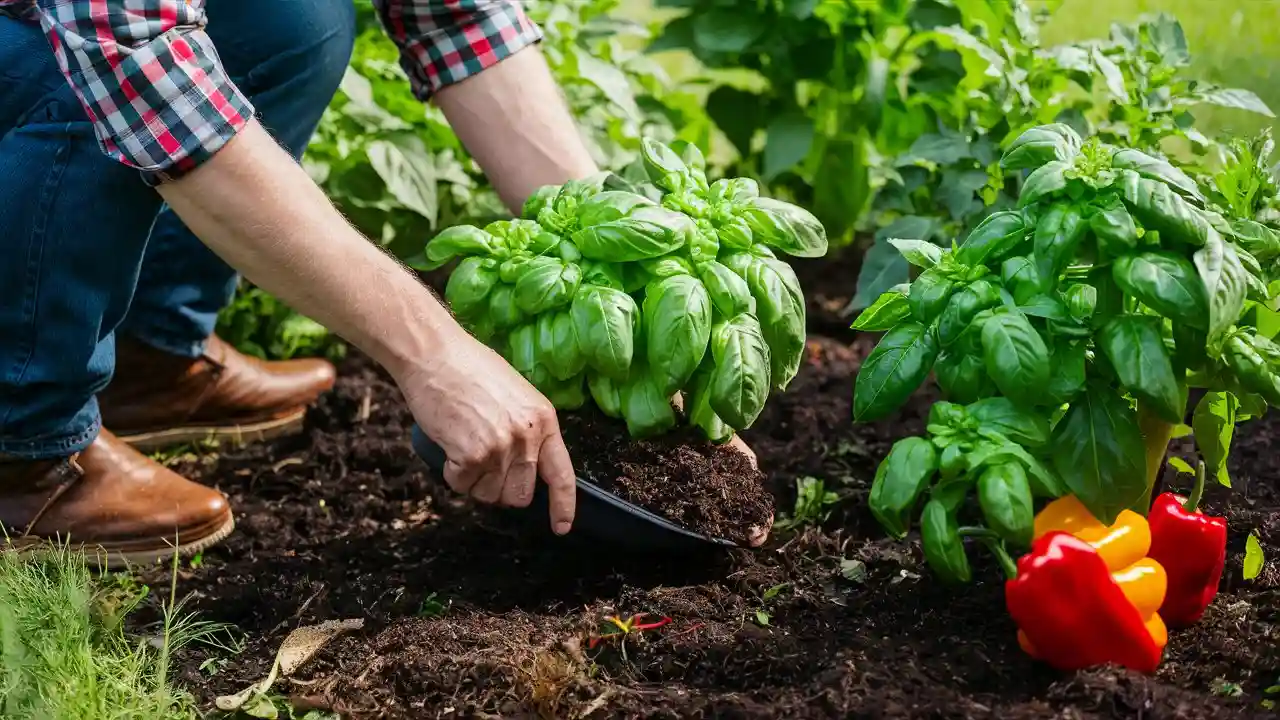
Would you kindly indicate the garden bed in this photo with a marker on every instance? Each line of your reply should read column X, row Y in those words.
column 469, row 615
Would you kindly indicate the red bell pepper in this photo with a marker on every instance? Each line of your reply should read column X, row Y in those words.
column 1192, row 547
column 1073, row 613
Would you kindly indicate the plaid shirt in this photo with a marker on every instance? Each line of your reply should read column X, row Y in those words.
column 151, row 82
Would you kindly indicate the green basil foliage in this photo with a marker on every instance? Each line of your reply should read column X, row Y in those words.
column 1066, row 333
column 629, row 293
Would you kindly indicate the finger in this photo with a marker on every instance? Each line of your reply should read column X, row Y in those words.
column 737, row 443
column 759, row 534
column 462, row 477
column 521, row 475
column 489, row 489
column 556, row 469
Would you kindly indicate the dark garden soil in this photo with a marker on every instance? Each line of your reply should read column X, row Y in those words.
column 709, row 489
column 471, row 613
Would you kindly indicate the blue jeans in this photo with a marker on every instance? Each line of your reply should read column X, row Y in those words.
column 88, row 250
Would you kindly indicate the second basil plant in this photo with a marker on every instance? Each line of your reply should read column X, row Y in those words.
column 1065, row 335
column 632, row 294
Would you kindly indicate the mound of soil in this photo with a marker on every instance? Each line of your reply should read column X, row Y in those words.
column 712, row 490
column 469, row 615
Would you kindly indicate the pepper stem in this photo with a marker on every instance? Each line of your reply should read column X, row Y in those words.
column 1156, row 433
column 1197, row 490
column 993, row 542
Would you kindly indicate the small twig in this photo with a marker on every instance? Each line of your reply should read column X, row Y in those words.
column 286, row 463
column 302, row 609
column 366, row 406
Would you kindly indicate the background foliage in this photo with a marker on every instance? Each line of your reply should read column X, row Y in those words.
column 884, row 117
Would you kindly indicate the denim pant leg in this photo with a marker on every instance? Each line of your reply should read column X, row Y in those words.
column 73, row 228
column 288, row 56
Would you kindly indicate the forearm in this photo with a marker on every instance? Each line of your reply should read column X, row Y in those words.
column 259, row 211
column 513, row 120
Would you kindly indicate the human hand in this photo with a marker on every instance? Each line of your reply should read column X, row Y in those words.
column 498, row 433
column 760, row 533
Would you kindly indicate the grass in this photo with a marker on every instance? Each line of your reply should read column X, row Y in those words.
column 65, row 653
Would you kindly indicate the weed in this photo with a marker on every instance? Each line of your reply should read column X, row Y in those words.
column 813, row 504
column 64, row 651
column 433, row 606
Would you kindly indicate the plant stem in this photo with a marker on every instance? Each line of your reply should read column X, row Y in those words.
column 1197, row 491
column 993, row 542
column 1156, row 433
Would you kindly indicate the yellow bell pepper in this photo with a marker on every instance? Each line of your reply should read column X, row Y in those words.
column 1123, row 546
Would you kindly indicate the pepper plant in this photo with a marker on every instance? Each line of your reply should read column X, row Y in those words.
column 1066, row 334
column 635, row 293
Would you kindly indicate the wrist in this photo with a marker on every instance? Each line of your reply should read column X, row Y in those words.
column 424, row 343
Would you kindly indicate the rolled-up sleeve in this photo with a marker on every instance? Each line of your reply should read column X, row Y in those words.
column 447, row 41
column 149, row 79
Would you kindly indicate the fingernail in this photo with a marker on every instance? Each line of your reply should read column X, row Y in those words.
column 563, row 527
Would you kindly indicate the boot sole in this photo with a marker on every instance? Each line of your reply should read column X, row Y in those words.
column 123, row 557
column 236, row 434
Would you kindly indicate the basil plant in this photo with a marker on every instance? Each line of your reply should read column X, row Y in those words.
column 634, row 294
column 1065, row 335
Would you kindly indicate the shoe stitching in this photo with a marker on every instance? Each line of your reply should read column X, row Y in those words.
column 69, row 473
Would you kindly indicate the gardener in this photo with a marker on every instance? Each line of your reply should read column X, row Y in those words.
column 124, row 137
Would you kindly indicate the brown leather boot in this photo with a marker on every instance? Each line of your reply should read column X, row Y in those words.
column 111, row 501
column 158, row 400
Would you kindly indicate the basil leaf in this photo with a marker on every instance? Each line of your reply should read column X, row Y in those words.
column 1002, row 416
column 458, row 241
column 787, row 227
column 469, row 286
column 1004, row 494
column 1154, row 168
column 1047, row 307
column 1045, row 181
column 1159, row 208
column 1069, row 372
column 1166, row 283
column 1040, row 145
column 664, row 166
column 900, row 481
column 963, row 377
column 606, row 321
column 606, row 393
column 918, row 252
column 645, row 407
column 1044, row 483
column 942, row 545
column 888, row 310
column 897, row 366
column 929, row 294
column 1016, row 357
column 1097, row 450
column 1134, row 347
column 677, row 326
column 781, row 310
column 1224, row 283
column 1058, row 234
column 740, row 381
column 1114, row 229
column 962, row 307
column 1214, row 423
column 1018, row 274
column 998, row 235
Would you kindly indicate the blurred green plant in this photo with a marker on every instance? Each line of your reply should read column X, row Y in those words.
column 398, row 172
column 888, row 117
column 396, row 169
column 258, row 324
